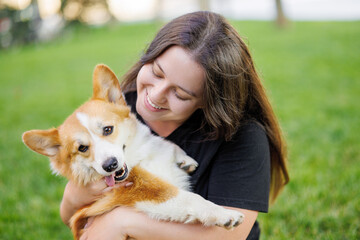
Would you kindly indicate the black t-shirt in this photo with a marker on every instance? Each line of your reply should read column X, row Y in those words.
column 233, row 173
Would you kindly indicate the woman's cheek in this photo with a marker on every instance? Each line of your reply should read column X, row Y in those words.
column 144, row 76
column 183, row 109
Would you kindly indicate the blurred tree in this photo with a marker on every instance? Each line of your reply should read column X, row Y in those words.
column 281, row 19
column 82, row 10
column 18, row 26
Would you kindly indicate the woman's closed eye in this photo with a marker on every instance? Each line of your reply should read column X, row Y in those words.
column 156, row 73
column 180, row 97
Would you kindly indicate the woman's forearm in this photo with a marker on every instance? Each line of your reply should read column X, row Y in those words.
column 66, row 211
column 150, row 229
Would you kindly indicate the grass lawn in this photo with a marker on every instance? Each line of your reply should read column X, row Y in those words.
column 311, row 72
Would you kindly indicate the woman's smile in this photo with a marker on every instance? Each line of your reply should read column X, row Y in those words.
column 152, row 106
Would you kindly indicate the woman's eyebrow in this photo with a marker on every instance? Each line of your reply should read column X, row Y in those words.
column 191, row 93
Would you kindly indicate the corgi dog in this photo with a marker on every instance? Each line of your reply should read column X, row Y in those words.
column 103, row 139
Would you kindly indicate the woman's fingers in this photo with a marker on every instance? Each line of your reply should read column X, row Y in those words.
column 123, row 184
column 89, row 222
column 84, row 236
column 97, row 186
column 118, row 185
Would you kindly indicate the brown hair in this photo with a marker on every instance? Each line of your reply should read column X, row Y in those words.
column 233, row 90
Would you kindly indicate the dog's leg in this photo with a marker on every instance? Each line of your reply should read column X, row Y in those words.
column 184, row 161
column 188, row 207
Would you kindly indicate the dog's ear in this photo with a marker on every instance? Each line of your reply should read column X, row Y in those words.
column 45, row 142
column 106, row 85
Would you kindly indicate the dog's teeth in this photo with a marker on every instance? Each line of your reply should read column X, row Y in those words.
column 121, row 174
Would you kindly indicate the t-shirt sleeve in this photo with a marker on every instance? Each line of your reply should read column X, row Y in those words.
column 240, row 172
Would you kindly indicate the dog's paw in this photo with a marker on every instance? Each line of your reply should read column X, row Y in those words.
column 233, row 220
column 187, row 164
column 227, row 218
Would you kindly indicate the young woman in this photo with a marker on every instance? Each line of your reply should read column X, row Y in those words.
column 196, row 85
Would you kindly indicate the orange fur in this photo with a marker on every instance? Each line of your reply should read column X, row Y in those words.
column 103, row 90
column 41, row 145
column 146, row 187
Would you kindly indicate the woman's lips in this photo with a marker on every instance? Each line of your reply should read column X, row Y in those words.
column 152, row 106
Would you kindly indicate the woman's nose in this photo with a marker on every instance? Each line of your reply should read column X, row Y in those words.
column 158, row 93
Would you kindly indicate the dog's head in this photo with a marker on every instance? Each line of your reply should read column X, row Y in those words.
column 90, row 144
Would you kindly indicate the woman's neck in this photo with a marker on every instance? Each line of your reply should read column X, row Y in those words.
column 162, row 128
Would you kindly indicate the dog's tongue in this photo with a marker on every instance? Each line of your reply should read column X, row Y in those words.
column 110, row 181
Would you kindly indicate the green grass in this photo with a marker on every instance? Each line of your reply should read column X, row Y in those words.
column 311, row 72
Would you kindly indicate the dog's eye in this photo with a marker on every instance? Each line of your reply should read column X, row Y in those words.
column 107, row 130
column 124, row 146
column 83, row 148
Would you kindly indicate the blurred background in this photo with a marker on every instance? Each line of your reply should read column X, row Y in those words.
column 23, row 21
column 306, row 51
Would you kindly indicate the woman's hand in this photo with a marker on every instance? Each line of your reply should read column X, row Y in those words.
column 111, row 225
column 80, row 196
column 76, row 196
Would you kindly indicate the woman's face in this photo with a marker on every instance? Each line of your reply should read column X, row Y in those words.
column 170, row 89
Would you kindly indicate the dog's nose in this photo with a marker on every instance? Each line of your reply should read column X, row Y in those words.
column 110, row 164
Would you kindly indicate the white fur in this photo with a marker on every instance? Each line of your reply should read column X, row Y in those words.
column 102, row 149
column 188, row 207
column 82, row 169
column 158, row 156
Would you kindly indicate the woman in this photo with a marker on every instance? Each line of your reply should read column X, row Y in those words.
column 196, row 86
